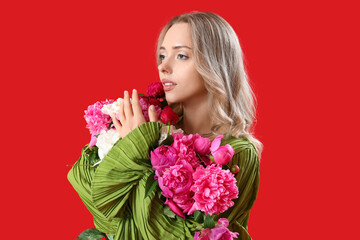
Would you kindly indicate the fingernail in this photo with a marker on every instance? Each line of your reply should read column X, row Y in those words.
column 134, row 90
column 152, row 108
column 125, row 93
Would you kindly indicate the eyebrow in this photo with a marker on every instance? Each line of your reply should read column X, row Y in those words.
column 176, row 47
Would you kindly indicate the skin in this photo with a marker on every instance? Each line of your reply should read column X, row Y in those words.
column 177, row 65
column 130, row 114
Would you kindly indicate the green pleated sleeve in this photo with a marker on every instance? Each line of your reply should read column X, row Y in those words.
column 81, row 177
column 247, row 178
column 114, row 191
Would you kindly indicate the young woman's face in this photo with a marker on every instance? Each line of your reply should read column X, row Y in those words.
column 177, row 66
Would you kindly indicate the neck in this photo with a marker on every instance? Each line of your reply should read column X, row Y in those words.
column 196, row 116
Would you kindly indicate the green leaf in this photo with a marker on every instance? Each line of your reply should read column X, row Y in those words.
column 91, row 234
column 164, row 103
column 198, row 216
column 151, row 183
column 168, row 212
column 209, row 222
column 93, row 155
column 158, row 190
column 168, row 140
column 144, row 162
column 212, row 158
column 225, row 167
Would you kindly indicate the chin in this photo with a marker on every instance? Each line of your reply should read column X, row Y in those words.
column 169, row 98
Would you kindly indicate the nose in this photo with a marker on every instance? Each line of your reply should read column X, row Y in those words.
column 165, row 67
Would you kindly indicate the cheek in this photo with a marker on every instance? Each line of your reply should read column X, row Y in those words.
column 192, row 75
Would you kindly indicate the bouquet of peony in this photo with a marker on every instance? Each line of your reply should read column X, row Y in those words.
column 188, row 169
column 102, row 130
column 189, row 172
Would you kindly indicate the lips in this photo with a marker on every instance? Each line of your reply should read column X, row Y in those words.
column 168, row 87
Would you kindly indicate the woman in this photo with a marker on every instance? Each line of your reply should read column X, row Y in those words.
column 200, row 65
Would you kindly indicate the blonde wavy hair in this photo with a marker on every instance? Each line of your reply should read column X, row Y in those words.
column 219, row 60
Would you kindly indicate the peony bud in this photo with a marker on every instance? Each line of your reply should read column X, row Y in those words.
column 234, row 169
column 223, row 154
column 202, row 145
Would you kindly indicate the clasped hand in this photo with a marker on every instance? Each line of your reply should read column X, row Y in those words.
column 130, row 114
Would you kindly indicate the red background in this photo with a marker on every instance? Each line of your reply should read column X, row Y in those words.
column 302, row 58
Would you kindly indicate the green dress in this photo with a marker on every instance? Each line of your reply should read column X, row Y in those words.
column 114, row 190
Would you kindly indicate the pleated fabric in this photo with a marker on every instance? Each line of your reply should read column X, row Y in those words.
column 81, row 176
column 114, row 191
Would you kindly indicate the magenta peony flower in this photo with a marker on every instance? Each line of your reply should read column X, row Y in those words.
column 213, row 190
column 95, row 119
column 219, row 232
column 184, row 145
column 154, row 101
column 163, row 157
column 174, row 208
column 169, row 116
column 201, row 145
column 177, row 179
column 145, row 104
column 206, row 160
column 222, row 155
column 155, row 90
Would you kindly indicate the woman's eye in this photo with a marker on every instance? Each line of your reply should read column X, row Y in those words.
column 182, row 57
column 161, row 57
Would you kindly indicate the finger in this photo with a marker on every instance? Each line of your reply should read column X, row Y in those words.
column 136, row 104
column 153, row 117
column 121, row 113
column 116, row 122
column 127, row 106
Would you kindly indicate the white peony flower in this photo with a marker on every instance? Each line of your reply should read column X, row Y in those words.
column 172, row 130
column 112, row 107
column 105, row 141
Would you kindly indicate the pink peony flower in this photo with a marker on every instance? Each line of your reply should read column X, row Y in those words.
column 213, row 190
column 155, row 90
column 222, row 155
column 201, row 145
column 95, row 119
column 177, row 179
column 169, row 116
column 216, row 143
column 184, row 201
column 163, row 157
column 174, row 208
column 219, row 232
column 93, row 140
column 184, row 145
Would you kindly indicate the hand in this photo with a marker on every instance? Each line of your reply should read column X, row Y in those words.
column 130, row 114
